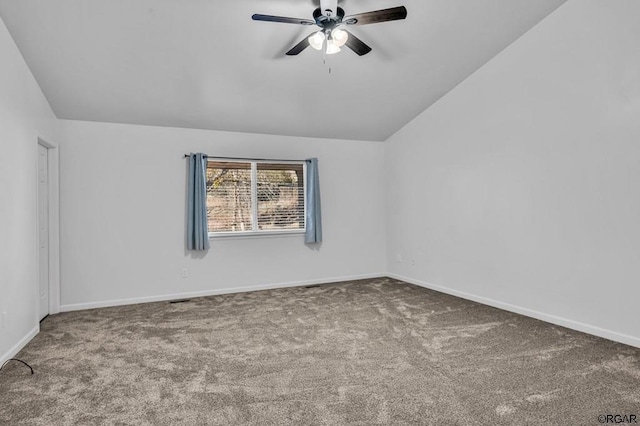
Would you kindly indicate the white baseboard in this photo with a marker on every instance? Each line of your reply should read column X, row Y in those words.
column 553, row 319
column 564, row 322
column 21, row 344
column 214, row 292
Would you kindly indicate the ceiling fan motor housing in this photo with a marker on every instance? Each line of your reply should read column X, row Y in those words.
column 328, row 21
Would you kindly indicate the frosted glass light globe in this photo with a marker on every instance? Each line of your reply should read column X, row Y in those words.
column 339, row 37
column 332, row 47
column 316, row 40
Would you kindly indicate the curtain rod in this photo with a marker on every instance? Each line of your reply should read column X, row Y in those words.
column 243, row 158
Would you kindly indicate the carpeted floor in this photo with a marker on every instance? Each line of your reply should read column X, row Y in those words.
column 365, row 352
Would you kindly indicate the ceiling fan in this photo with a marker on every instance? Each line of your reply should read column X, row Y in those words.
column 329, row 17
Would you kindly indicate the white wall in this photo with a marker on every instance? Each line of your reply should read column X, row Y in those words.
column 521, row 187
column 123, row 215
column 25, row 115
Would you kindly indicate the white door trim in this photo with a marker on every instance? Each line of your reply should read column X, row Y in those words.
column 54, row 227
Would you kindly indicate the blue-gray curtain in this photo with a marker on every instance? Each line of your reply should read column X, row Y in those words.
column 313, row 233
column 197, row 232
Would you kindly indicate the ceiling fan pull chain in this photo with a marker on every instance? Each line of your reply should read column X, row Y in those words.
column 324, row 60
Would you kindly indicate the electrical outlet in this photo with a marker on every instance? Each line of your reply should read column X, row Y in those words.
column 413, row 262
column 399, row 257
column 3, row 320
column 185, row 273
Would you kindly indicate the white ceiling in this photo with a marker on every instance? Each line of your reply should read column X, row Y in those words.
column 205, row 64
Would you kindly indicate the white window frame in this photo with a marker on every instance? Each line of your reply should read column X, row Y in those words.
column 254, row 201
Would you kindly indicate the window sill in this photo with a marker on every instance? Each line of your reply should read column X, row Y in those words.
column 253, row 234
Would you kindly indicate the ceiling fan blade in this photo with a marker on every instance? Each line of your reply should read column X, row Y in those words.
column 357, row 45
column 283, row 19
column 376, row 16
column 304, row 43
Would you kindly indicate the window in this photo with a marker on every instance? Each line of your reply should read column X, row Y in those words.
column 255, row 197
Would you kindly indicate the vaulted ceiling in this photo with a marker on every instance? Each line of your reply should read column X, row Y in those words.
column 205, row 64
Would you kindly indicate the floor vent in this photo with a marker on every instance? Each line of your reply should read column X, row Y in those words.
column 180, row 301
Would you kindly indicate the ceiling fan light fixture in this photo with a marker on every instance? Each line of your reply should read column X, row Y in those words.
column 339, row 37
column 317, row 40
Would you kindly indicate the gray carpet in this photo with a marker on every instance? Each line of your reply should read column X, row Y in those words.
column 365, row 352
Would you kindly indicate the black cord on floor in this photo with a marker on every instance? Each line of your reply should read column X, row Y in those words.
column 19, row 360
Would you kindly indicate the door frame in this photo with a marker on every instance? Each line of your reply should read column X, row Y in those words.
column 54, row 227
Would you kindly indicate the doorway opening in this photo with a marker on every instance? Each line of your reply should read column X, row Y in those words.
column 48, row 300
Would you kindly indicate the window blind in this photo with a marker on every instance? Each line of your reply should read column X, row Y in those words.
column 255, row 196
